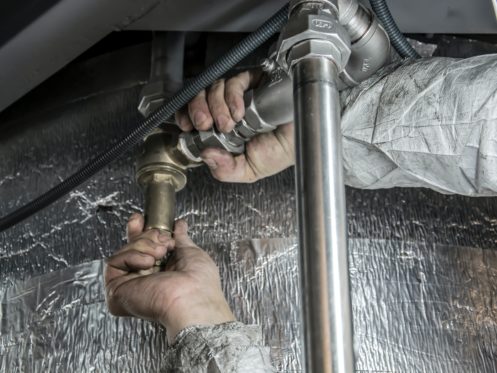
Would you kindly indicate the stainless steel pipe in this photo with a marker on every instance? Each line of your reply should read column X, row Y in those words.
column 322, row 217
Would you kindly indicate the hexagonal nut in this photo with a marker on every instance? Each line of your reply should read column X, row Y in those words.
column 227, row 141
column 187, row 146
column 152, row 96
column 191, row 144
column 313, row 48
column 254, row 120
column 323, row 27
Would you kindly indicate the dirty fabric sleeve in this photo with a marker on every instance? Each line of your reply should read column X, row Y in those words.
column 427, row 123
column 229, row 347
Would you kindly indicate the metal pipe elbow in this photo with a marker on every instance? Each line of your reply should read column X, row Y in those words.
column 370, row 43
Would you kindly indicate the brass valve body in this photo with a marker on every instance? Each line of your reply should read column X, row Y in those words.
column 161, row 172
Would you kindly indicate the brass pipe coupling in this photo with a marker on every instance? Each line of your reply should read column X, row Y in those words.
column 161, row 173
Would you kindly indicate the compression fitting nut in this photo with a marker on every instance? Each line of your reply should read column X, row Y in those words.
column 320, row 31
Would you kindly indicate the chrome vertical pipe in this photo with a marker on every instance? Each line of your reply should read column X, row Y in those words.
column 322, row 217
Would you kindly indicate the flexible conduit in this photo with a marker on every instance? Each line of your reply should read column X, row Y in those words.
column 181, row 98
column 397, row 38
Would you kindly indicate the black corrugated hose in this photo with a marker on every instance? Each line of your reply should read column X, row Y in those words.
column 181, row 98
column 397, row 39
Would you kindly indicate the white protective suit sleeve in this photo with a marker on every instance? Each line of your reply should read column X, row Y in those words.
column 427, row 123
column 230, row 347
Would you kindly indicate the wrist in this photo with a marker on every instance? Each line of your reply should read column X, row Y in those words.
column 195, row 311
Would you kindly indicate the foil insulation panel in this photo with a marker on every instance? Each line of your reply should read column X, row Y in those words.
column 417, row 308
column 422, row 264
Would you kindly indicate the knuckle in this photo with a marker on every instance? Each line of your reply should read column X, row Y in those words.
column 234, row 86
column 141, row 241
column 218, row 83
column 233, row 100
column 199, row 98
column 213, row 97
column 200, row 95
column 195, row 105
column 218, row 108
column 216, row 94
column 120, row 251
column 133, row 253
column 144, row 242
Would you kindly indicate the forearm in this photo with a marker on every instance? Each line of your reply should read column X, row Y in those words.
column 228, row 347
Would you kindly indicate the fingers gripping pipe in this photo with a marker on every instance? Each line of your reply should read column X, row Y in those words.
column 271, row 104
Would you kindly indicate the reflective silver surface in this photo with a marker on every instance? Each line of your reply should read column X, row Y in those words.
column 418, row 307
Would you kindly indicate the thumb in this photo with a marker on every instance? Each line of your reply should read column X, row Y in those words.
column 181, row 234
column 135, row 226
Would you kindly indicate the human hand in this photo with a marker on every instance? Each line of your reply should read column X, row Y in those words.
column 223, row 105
column 187, row 293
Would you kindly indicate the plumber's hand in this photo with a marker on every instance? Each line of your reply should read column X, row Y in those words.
column 187, row 293
column 222, row 105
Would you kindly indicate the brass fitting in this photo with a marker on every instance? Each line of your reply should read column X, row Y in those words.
column 161, row 172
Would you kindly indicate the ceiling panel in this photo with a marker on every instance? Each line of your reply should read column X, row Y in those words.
column 421, row 16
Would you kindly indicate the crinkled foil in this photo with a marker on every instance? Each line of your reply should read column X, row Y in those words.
column 422, row 264
column 417, row 308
